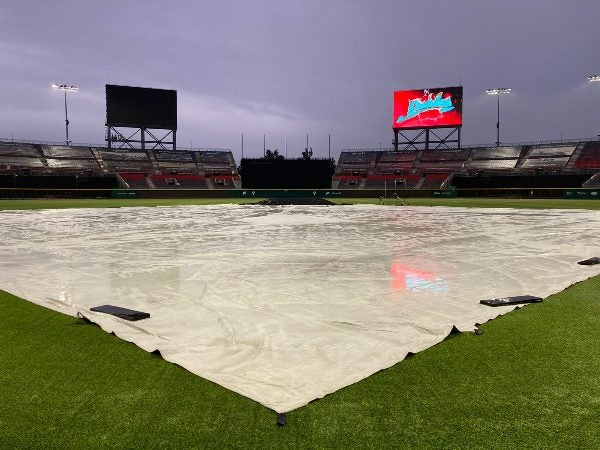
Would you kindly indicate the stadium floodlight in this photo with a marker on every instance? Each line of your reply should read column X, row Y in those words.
column 497, row 92
column 65, row 88
column 594, row 78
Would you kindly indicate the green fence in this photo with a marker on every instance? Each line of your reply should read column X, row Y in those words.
column 285, row 193
column 582, row 193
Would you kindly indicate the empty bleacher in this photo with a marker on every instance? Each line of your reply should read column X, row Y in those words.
column 69, row 159
column 589, row 158
column 19, row 156
column 545, row 163
column 391, row 181
column 134, row 180
column 388, row 162
column 493, row 158
column 182, row 181
column 129, row 161
column 176, row 160
column 552, row 151
column 496, row 153
column 347, row 181
column 224, row 181
column 441, row 160
column 434, row 180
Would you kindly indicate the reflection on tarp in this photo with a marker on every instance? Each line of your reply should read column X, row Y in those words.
column 409, row 278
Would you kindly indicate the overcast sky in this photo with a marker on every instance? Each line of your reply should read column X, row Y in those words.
column 284, row 68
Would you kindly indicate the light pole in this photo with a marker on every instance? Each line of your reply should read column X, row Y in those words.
column 594, row 79
column 66, row 88
column 497, row 92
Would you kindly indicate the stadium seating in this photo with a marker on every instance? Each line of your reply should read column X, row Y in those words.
column 589, row 158
column 134, row 180
column 182, row 181
column 392, row 181
column 126, row 161
column 491, row 164
column 19, row 156
column 547, row 152
column 434, row 180
column 224, row 181
column 356, row 169
column 180, row 161
column 545, row 163
column 348, row 181
column 496, row 153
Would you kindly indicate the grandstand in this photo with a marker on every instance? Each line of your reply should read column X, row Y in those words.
column 356, row 169
column 133, row 168
column 569, row 163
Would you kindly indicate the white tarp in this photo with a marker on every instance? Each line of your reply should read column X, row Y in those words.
column 288, row 304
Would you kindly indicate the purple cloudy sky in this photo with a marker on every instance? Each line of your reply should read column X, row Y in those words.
column 289, row 68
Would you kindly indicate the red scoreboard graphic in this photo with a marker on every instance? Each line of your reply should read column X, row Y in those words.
column 428, row 108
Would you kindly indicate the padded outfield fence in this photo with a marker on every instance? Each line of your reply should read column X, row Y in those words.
column 33, row 193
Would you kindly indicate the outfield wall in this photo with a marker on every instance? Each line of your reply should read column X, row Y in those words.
column 16, row 193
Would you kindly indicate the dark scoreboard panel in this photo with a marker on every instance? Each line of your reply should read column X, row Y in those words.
column 286, row 174
column 128, row 106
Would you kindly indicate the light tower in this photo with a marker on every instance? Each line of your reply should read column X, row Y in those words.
column 66, row 88
column 497, row 92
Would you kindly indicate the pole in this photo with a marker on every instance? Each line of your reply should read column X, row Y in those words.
column 329, row 151
column 66, row 121
column 286, row 146
column 264, row 145
column 498, row 124
column 242, row 145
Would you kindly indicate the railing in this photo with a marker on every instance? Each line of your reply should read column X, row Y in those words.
column 559, row 142
column 102, row 146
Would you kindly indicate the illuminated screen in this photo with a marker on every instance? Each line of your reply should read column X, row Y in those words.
column 428, row 108
column 128, row 106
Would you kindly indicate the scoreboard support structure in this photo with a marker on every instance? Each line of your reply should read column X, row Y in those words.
column 421, row 138
column 118, row 140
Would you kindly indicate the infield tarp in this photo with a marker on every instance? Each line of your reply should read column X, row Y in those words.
column 287, row 304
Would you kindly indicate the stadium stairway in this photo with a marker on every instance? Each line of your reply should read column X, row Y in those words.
column 524, row 157
column 209, row 183
column 150, row 182
column 417, row 160
column 41, row 156
column 574, row 156
column 593, row 181
column 98, row 159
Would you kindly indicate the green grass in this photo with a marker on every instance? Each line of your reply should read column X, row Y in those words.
column 464, row 202
column 551, row 203
column 531, row 380
column 19, row 204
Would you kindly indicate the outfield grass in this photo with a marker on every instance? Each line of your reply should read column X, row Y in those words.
column 531, row 380
column 464, row 202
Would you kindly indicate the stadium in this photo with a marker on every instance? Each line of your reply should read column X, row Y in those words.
column 428, row 293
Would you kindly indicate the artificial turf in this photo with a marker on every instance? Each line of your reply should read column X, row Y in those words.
column 532, row 379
